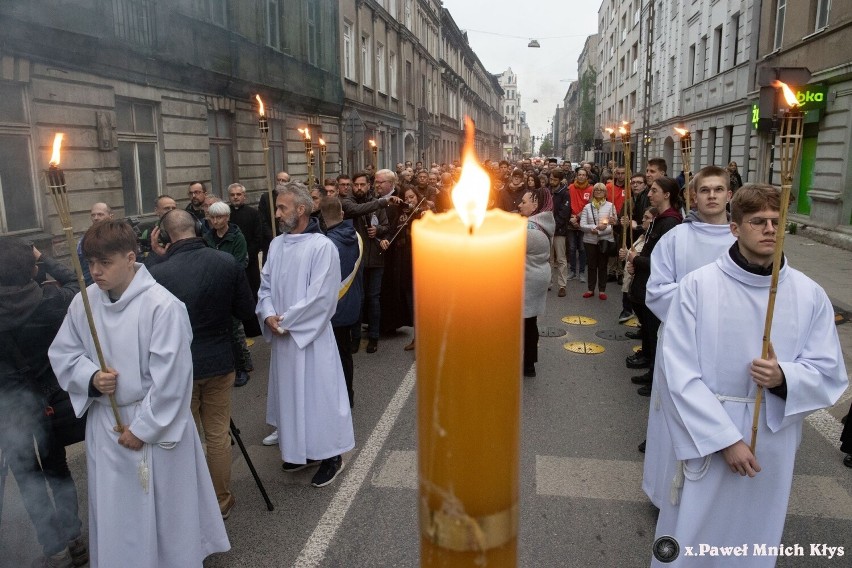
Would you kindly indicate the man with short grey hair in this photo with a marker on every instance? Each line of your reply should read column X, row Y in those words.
column 299, row 286
column 99, row 212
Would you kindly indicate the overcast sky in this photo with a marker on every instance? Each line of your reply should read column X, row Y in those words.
column 543, row 73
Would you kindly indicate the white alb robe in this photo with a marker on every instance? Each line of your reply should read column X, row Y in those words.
column 683, row 249
column 307, row 398
column 145, row 336
column 713, row 331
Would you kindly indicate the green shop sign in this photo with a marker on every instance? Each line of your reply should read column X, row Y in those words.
column 810, row 97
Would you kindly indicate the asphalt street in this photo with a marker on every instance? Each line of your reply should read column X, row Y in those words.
column 581, row 497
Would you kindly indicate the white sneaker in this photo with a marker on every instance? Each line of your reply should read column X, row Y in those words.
column 271, row 440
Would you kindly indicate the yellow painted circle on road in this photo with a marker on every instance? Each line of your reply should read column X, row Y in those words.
column 584, row 347
column 579, row 320
column 249, row 342
column 637, row 348
column 632, row 322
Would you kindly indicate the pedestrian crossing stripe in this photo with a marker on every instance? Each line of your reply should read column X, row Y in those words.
column 584, row 347
column 579, row 320
column 815, row 496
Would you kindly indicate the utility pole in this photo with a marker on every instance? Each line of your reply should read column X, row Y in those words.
column 646, row 111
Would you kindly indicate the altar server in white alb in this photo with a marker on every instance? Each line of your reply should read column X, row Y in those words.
column 703, row 236
column 299, row 284
column 151, row 500
column 711, row 361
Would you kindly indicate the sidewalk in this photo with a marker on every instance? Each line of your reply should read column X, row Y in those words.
column 829, row 266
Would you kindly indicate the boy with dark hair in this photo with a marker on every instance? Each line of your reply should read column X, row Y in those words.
column 151, row 500
column 721, row 495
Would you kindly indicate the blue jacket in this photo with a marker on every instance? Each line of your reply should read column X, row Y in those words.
column 345, row 239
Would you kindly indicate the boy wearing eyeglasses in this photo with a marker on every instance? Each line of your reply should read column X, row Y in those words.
column 723, row 494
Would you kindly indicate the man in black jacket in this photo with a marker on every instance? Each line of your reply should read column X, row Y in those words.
column 217, row 290
column 562, row 215
column 371, row 222
column 247, row 218
column 31, row 313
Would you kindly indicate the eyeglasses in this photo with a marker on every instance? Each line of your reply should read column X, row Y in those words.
column 282, row 180
column 760, row 222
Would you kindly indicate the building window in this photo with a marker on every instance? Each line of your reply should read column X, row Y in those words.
column 392, row 8
column 690, row 68
column 409, row 82
column 221, row 151
column 134, row 21
column 138, row 155
column 313, row 31
column 380, row 68
column 703, row 62
column 217, row 12
column 393, row 74
column 734, row 29
column 823, row 8
column 780, row 12
column 18, row 204
column 273, row 24
column 348, row 52
column 717, row 50
column 408, row 14
column 366, row 61
column 277, row 144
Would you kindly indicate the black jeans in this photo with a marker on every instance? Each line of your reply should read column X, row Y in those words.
column 597, row 267
column 650, row 326
column 343, row 337
column 530, row 342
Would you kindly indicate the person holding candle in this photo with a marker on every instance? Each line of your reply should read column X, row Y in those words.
column 537, row 206
column 597, row 239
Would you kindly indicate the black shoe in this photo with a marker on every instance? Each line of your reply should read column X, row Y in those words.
column 624, row 316
column 637, row 361
column 644, row 390
column 642, row 379
column 356, row 345
column 372, row 345
column 327, row 472
column 847, row 461
column 529, row 371
column 242, row 379
column 641, row 447
column 633, row 334
column 291, row 467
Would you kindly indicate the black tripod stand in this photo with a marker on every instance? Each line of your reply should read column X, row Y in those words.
column 235, row 433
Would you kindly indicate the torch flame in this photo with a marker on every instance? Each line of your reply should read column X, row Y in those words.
column 57, row 142
column 609, row 131
column 470, row 196
column 261, row 112
column 789, row 95
column 622, row 130
column 372, row 143
column 321, row 142
column 682, row 131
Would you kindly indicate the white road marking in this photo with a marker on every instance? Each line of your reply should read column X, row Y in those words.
column 315, row 548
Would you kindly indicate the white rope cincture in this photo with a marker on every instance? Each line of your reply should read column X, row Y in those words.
column 144, row 472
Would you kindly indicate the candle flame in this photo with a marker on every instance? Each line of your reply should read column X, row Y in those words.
column 789, row 95
column 470, row 196
column 261, row 111
column 321, row 142
column 57, row 142
column 372, row 143
column 682, row 131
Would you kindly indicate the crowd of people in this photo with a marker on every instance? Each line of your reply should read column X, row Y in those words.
column 176, row 303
